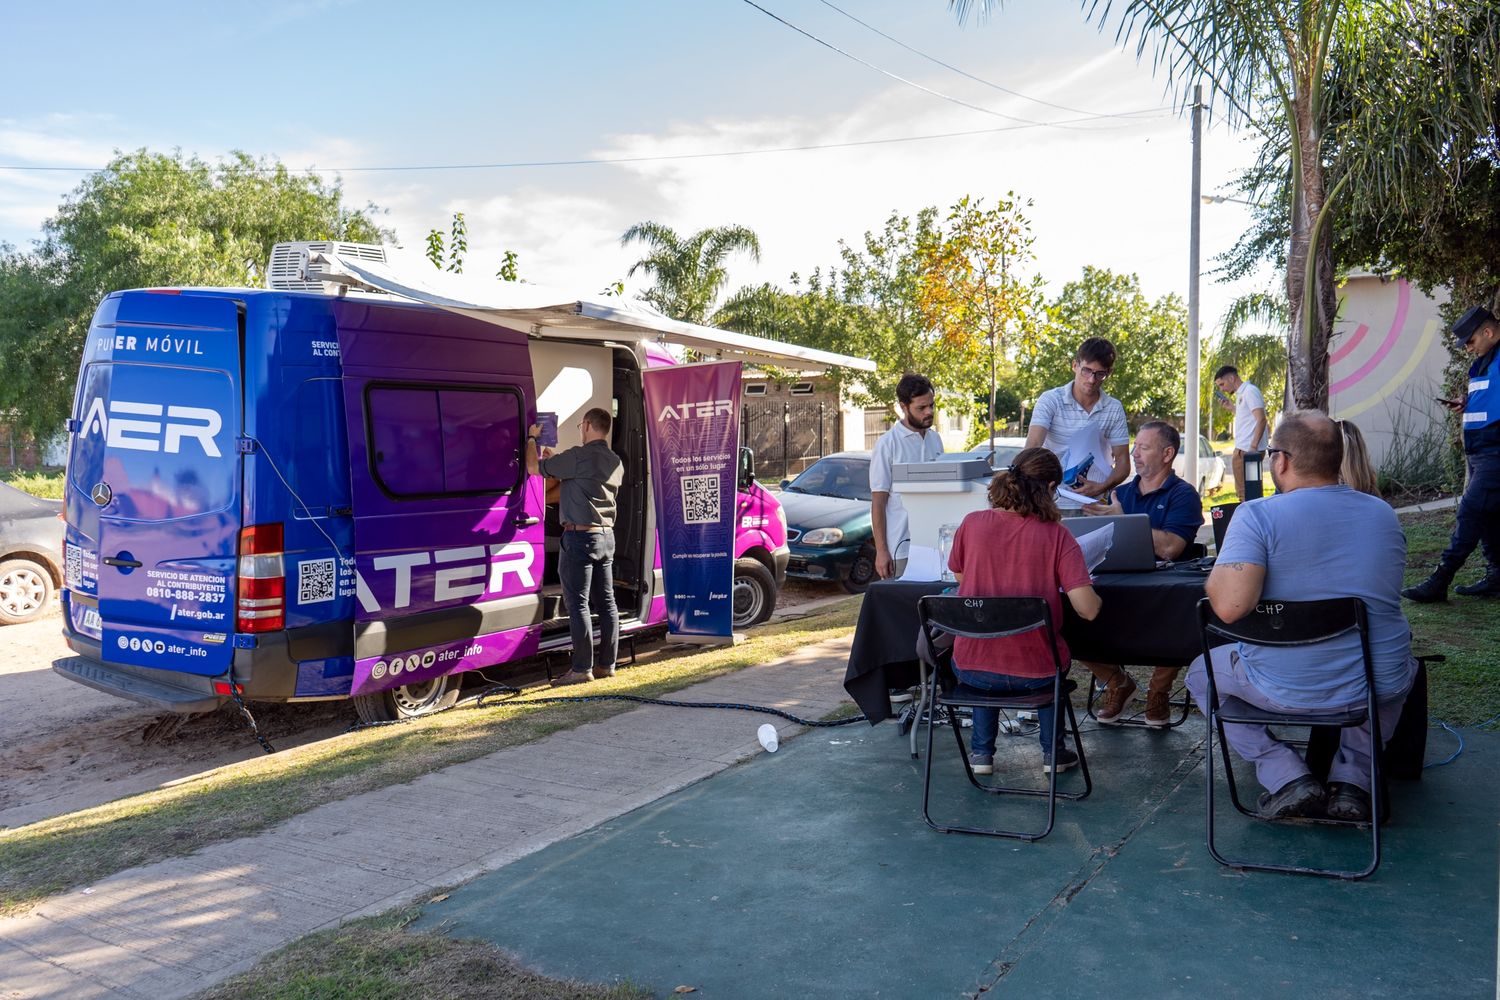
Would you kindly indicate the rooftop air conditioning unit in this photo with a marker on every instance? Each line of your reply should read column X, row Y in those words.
column 289, row 270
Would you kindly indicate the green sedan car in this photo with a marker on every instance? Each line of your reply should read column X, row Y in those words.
column 828, row 521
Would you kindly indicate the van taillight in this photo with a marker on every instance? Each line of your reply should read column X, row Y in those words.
column 262, row 580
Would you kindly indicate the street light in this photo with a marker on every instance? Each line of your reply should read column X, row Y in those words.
column 1218, row 199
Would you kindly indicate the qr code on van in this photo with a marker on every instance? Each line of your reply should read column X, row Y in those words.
column 315, row 581
column 700, row 499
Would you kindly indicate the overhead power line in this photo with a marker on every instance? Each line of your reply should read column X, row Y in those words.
column 912, row 83
column 965, row 73
column 601, row 161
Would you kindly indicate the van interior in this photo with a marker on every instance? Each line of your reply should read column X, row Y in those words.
column 571, row 379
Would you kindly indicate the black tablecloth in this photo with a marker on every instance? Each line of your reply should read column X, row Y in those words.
column 1148, row 619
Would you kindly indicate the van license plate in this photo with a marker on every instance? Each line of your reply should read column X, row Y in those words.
column 91, row 619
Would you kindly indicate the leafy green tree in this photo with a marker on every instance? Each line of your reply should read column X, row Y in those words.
column 1150, row 341
column 449, row 254
column 148, row 219
column 973, row 291
column 1360, row 100
column 689, row 273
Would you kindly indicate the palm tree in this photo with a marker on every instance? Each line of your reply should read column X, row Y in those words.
column 1377, row 73
column 688, row 274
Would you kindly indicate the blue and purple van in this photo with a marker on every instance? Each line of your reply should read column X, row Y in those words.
column 308, row 495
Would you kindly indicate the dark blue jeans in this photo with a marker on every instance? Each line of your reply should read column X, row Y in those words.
column 1478, row 518
column 987, row 720
column 585, row 567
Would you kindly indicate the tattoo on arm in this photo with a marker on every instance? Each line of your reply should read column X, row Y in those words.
column 1237, row 567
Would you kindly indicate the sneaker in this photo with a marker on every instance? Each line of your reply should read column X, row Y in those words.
column 900, row 696
column 1115, row 699
column 1060, row 760
column 1429, row 591
column 982, row 763
column 573, row 677
column 1303, row 797
column 1348, row 802
column 1158, row 709
column 1488, row 587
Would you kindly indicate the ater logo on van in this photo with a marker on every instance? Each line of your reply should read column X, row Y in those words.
column 702, row 410
column 152, row 435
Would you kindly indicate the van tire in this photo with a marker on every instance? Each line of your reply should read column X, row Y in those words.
column 25, row 590
column 409, row 700
column 754, row 593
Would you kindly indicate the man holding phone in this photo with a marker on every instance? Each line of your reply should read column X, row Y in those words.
column 1479, row 509
column 1078, row 410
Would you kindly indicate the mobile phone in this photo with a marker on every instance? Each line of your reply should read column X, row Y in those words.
column 1449, row 402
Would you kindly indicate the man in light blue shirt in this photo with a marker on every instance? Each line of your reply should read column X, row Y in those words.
column 1313, row 540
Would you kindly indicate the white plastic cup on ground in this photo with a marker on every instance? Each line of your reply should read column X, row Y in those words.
column 767, row 736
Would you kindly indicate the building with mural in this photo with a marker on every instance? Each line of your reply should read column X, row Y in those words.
column 1386, row 361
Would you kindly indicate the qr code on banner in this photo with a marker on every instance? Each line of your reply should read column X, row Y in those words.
column 73, row 569
column 700, row 499
column 315, row 581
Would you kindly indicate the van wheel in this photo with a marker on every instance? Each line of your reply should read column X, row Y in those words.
column 409, row 700
column 862, row 573
column 25, row 589
column 754, row 593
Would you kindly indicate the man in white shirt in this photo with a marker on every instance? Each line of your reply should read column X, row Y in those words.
column 1080, row 417
column 912, row 439
column 1251, row 432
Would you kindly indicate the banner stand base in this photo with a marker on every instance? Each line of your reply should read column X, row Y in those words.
column 706, row 640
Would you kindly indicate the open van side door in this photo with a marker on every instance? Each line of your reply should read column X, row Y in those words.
column 448, row 533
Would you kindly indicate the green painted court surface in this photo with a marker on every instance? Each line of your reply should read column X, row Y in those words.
column 809, row 873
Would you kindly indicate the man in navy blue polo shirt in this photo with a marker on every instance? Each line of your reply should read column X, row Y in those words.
column 1478, row 332
column 1176, row 513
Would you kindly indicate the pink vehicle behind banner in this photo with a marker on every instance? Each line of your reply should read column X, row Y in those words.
column 311, row 495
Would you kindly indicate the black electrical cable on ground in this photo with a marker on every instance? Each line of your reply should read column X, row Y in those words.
column 234, row 692
column 477, row 700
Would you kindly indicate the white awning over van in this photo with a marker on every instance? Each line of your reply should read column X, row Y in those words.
column 545, row 311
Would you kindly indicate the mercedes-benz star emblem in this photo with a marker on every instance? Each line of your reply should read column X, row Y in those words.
column 101, row 494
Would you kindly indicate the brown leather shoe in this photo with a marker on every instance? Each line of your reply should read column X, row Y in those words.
column 573, row 677
column 1116, row 697
column 1158, row 709
column 603, row 673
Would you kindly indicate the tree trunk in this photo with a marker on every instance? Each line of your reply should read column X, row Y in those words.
column 1307, row 343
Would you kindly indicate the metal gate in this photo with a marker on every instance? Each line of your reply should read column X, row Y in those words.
column 788, row 436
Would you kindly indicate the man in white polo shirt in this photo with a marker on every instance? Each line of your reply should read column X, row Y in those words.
column 912, row 439
column 1251, row 429
column 1080, row 411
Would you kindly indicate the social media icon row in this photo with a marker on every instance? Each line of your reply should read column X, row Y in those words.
column 138, row 645
column 410, row 664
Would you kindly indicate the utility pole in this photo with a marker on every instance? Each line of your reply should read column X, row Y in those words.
column 1190, row 413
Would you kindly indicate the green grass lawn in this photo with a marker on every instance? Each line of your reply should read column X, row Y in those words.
column 1466, row 689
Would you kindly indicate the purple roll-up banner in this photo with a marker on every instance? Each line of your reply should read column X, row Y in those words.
column 693, row 429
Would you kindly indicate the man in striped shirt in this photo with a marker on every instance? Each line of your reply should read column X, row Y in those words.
column 1081, row 410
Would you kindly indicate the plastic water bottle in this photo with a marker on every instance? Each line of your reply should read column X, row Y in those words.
column 767, row 736
column 945, row 549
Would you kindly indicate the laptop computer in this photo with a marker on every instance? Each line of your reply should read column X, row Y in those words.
column 1130, row 552
column 1221, row 516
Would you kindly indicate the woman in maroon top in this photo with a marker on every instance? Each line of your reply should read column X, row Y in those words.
column 1019, row 548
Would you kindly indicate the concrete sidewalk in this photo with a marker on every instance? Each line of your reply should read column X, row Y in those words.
column 169, row 929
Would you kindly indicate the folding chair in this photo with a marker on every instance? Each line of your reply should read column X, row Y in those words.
column 991, row 618
column 1286, row 624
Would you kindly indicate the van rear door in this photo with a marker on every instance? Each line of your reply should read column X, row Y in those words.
column 153, row 485
column 448, row 536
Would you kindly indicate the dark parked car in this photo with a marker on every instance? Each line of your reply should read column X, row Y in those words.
column 30, row 560
column 828, row 521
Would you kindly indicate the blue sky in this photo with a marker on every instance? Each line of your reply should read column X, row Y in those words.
column 343, row 83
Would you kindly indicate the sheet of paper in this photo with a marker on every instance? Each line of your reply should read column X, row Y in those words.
column 1095, row 545
column 1074, row 499
column 1088, row 442
column 922, row 563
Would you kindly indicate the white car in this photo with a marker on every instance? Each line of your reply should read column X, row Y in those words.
column 1211, row 468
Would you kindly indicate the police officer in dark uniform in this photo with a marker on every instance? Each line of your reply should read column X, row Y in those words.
column 1479, row 509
